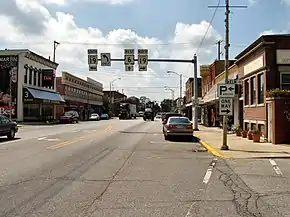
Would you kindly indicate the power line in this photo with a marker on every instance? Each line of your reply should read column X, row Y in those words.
column 209, row 25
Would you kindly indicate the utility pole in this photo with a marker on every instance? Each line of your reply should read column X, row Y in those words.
column 227, row 45
column 219, row 49
column 55, row 44
column 195, row 101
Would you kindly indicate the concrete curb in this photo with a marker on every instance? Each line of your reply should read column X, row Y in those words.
column 212, row 150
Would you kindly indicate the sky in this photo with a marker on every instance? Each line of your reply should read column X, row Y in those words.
column 172, row 29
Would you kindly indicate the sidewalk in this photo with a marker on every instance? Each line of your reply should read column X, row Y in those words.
column 211, row 139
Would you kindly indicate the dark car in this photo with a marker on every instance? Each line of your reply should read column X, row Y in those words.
column 168, row 115
column 8, row 127
column 69, row 117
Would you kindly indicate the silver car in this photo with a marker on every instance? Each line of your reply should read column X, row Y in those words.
column 177, row 126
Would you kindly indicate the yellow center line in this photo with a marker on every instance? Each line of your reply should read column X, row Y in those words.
column 77, row 139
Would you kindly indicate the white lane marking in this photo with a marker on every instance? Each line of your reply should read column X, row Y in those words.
column 275, row 167
column 209, row 171
column 52, row 140
column 153, row 142
column 41, row 138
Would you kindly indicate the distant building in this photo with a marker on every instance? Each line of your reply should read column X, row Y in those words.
column 84, row 96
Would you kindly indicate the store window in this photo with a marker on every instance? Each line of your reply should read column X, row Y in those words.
column 25, row 73
column 261, row 88
column 285, row 81
column 246, row 91
column 34, row 77
column 261, row 128
column 31, row 111
column 30, row 75
column 247, row 126
column 253, row 90
column 47, row 111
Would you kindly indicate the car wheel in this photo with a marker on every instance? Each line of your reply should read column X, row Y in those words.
column 11, row 134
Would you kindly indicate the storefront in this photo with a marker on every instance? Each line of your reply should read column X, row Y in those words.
column 39, row 105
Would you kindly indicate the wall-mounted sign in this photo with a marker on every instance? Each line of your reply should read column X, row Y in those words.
column 47, row 77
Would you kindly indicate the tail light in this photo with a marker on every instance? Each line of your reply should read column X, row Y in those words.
column 170, row 126
column 189, row 126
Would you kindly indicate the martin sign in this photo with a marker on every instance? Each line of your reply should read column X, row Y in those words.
column 226, row 90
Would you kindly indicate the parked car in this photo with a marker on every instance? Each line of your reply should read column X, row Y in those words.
column 177, row 126
column 69, row 117
column 158, row 115
column 8, row 127
column 94, row 117
column 104, row 117
column 168, row 115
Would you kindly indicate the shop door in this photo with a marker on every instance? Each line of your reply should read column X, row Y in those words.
column 269, row 122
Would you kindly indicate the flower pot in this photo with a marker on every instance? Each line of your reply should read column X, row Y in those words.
column 244, row 134
column 256, row 137
column 238, row 133
column 250, row 136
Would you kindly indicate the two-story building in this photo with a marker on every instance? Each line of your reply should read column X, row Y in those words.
column 113, row 98
column 84, row 96
column 28, row 86
column 211, row 76
column 189, row 94
column 263, row 66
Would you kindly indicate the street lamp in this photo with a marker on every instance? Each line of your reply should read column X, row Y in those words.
column 55, row 44
column 180, row 85
column 111, row 83
column 172, row 92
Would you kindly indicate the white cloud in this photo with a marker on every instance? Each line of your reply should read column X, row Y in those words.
column 286, row 2
column 71, row 54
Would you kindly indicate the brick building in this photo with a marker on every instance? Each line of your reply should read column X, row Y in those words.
column 116, row 98
column 211, row 76
column 84, row 96
column 189, row 93
column 264, row 66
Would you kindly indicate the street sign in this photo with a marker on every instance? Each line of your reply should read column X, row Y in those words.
column 93, row 59
column 105, row 59
column 234, row 81
column 143, row 57
column 129, row 58
column 129, row 68
column 226, row 106
column 143, row 68
column 93, row 68
column 226, row 90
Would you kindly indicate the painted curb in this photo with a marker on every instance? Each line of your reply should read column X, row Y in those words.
column 212, row 150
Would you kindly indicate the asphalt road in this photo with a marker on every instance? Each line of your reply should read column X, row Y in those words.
column 125, row 168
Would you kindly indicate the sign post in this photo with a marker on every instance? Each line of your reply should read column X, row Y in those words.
column 129, row 59
column 143, row 59
column 93, row 59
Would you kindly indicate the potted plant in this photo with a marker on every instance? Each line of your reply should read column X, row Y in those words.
column 277, row 93
column 256, row 135
column 237, row 130
column 250, row 135
column 244, row 133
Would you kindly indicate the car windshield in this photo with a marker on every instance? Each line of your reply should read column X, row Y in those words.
column 93, row 115
column 68, row 113
column 179, row 120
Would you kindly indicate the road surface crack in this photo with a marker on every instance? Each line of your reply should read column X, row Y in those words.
column 246, row 201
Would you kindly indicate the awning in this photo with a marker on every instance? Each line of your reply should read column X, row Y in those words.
column 211, row 95
column 43, row 95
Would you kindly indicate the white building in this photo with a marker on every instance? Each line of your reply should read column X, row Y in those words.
column 33, row 84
